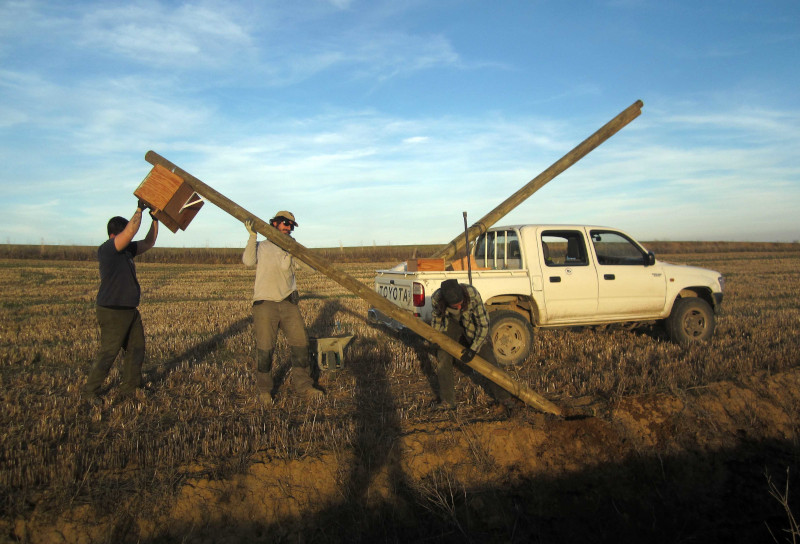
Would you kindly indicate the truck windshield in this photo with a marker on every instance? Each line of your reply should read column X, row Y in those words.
column 498, row 250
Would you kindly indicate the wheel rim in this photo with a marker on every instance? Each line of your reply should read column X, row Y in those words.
column 694, row 324
column 509, row 340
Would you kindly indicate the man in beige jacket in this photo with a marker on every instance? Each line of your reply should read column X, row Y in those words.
column 275, row 306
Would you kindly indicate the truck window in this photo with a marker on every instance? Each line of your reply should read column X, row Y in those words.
column 612, row 248
column 564, row 248
column 498, row 250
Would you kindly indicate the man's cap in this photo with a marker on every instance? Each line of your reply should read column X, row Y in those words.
column 285, row 215
column 451, row 292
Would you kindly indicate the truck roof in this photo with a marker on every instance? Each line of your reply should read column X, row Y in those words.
column 551, row 226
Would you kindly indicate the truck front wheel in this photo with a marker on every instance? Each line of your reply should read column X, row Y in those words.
column 512, row 337
column 691, row 320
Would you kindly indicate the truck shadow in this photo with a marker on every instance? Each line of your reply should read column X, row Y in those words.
column 654, row 331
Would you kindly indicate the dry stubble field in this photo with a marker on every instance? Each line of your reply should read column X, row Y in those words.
column 673, row 445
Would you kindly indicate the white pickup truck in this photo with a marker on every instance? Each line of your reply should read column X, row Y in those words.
column 563, row 276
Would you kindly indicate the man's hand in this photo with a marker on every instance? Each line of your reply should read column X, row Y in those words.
column 142, row 205
column 467, row 355
column 248, row 224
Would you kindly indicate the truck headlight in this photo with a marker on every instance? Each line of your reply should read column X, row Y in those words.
column 721, row 283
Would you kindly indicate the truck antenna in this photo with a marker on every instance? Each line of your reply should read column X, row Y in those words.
column 466, row 245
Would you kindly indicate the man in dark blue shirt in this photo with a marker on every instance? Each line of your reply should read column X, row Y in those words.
column 117, row 301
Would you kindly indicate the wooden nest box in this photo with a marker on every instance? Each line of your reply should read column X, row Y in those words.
column 173, row 201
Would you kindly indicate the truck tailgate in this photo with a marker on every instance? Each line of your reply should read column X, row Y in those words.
column 396, row 289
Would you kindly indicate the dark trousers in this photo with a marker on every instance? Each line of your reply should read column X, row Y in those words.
column 119, row 330
column 445, row 367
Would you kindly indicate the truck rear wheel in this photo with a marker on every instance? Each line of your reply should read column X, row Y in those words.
column 512, row 337
column 691, row 320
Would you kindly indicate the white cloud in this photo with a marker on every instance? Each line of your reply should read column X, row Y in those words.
column 153, row 33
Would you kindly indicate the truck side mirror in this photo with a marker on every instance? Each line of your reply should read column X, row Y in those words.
column 650, row 259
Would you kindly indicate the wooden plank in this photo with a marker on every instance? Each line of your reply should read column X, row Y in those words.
column 425, row 265
column 461, row 264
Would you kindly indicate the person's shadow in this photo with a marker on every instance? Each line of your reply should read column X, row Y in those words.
column 377, row 419
column 197, row 352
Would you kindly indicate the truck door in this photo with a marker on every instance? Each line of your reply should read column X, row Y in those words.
column 570, row 280
column 628, row 285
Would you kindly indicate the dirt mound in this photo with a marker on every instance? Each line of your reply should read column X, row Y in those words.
column 683, row 466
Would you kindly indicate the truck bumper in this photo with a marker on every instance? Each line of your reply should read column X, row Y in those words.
column 717, row 302
column 376, row 316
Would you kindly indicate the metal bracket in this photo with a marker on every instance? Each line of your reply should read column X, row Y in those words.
column 187, row 204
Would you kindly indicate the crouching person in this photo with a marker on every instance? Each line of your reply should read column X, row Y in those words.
column 459, row 312
column 275, row 306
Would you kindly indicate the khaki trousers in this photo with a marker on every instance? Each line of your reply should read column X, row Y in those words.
column 269, row 317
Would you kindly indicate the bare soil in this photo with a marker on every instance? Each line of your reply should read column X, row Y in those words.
column 688, row 466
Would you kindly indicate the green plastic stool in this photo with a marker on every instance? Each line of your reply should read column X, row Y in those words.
column 330, row 351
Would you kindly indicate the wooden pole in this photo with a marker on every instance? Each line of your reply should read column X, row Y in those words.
column 577, row 153
column 287, row 243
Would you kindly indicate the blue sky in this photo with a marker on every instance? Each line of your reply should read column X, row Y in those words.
column 380, row 122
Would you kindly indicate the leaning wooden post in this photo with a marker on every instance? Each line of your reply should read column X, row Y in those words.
column 577, row 153
column 287, row 243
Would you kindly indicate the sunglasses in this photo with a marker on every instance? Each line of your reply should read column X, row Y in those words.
column 287, row 222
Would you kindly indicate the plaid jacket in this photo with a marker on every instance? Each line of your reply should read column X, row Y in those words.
column 474, row 318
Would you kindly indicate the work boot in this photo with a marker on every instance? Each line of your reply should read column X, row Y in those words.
column 264, row 376
column 91, row 399
column 442, row 406
column 500, row 410
column 302, row 383
column 264, row 386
